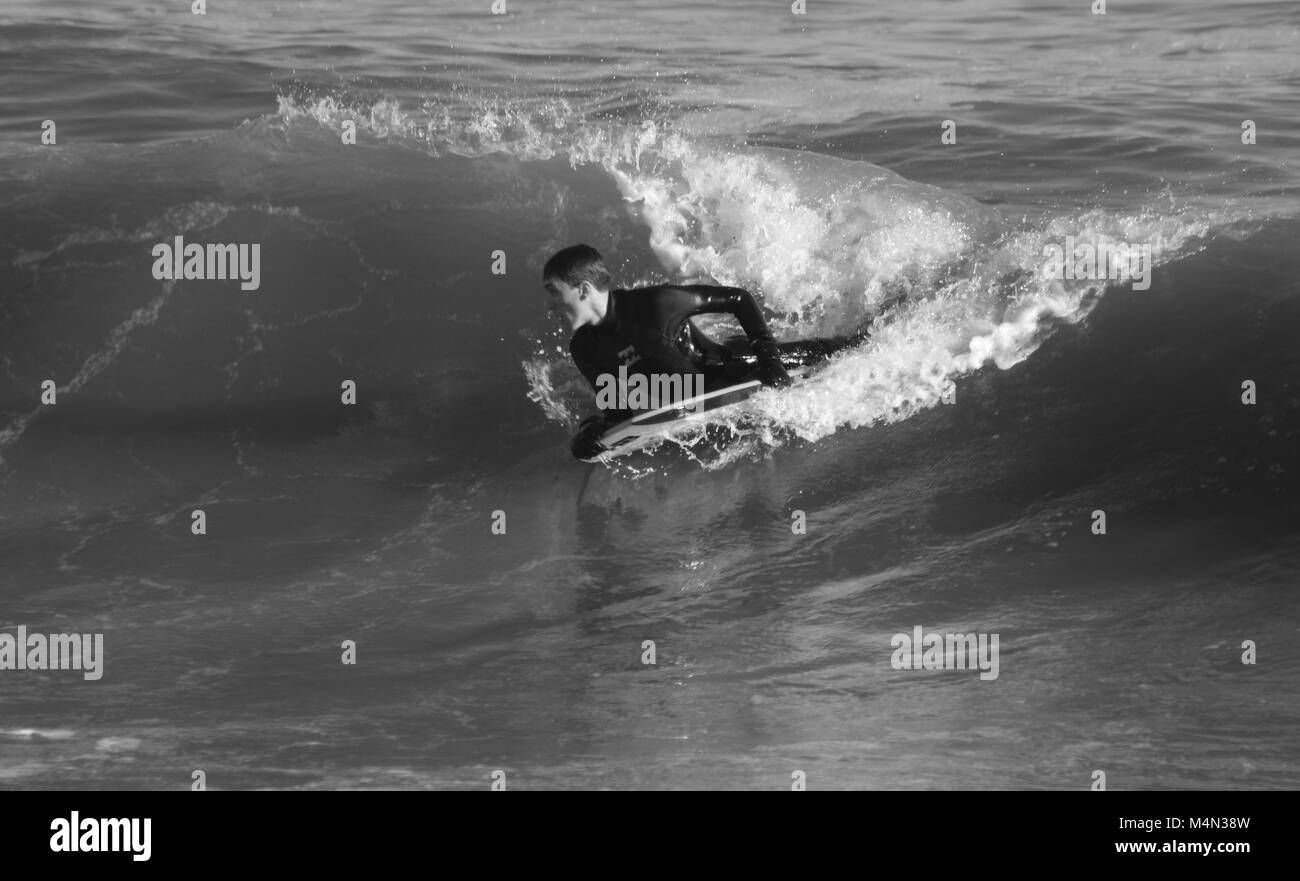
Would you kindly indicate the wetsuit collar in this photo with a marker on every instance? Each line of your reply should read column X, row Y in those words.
column 609, row 319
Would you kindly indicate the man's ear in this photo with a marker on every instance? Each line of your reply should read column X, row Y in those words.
column 585, row 288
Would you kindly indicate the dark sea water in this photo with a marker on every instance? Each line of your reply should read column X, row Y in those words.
column 797, row 156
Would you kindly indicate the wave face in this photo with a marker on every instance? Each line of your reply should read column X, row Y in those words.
column 948, row 466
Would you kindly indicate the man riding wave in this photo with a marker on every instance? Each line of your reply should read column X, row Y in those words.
column 649, row 331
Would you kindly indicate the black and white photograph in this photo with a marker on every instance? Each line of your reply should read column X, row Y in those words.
column 690, row 395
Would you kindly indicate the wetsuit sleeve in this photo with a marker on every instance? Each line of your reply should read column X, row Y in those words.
column 583, row 360
column 591, row 371
column 711, row 351
column 741, row 304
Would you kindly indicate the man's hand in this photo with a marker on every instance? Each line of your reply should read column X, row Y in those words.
column 773, row 375
column 770, row 370
column 586, row 443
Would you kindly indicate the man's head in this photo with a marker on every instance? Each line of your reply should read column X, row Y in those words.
column 577, row 284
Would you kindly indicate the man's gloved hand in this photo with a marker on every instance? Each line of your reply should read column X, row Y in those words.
column 773, row 375
column 770, row 370
column 586, row 443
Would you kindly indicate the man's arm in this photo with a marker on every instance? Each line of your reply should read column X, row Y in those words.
column 741, row 304
column 585, row 443
column 583, row 361
column 713, row 352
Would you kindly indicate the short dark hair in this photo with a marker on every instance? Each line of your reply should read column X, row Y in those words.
column 576, row 264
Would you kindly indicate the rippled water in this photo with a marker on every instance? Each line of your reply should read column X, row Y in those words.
column 798, row 156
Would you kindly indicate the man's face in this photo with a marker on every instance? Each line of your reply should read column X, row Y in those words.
column 567, row 301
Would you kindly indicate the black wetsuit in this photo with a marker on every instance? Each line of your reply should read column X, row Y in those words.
column 649, row 331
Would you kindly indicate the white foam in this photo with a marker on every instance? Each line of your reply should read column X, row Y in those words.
column 824, row 242
column 38, row 733
column 117, row 744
